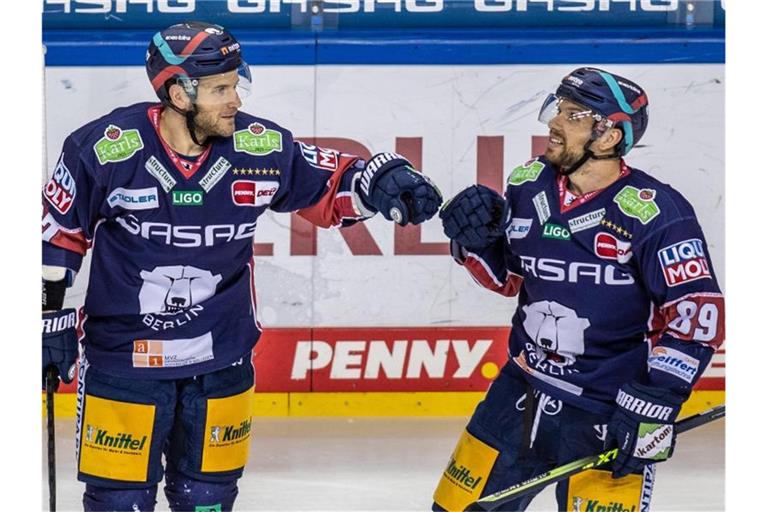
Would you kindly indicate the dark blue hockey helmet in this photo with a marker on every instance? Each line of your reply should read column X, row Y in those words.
column 618, row 102
column 189, row 51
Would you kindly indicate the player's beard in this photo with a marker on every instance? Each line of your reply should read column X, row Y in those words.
column 564, row 157
column 211, row 124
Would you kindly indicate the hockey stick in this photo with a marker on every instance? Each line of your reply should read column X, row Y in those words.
column 495, row 500
column 51, row 383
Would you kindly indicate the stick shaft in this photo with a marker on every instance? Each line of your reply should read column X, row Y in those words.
column 492, row 501
column 50, row 387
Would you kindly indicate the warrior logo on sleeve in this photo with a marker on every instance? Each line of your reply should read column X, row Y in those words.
column 175, row 288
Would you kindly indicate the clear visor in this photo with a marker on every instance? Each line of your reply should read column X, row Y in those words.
column 219, row 89
column 550, row 109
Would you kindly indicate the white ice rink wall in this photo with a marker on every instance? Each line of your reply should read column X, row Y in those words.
column 456, row 87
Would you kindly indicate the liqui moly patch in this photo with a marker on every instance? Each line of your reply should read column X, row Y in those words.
column 322, row 158
column 684, row 261
column 60, row 190
column 253, row 193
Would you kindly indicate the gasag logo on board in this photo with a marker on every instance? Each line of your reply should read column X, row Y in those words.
column 60, row 190
column 117, row 145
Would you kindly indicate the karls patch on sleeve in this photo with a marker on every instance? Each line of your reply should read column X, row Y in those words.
column 466, row 474
column 227, row 435
column 597, row 490
column 115, row 439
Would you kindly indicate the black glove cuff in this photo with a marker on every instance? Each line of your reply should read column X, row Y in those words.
column 53, row 294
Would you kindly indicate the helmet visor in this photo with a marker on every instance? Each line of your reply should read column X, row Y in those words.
column 551, row 108
column 219, row 89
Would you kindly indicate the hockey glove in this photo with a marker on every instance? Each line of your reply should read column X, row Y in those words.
column 473, row 217
column 60, row 343
column 391, row 186
column 643, row 427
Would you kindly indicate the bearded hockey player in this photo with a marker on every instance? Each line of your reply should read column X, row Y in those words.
column 618, row 314
column 167, row 195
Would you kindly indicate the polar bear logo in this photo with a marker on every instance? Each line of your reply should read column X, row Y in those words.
column 556, row 329
column 175, row 288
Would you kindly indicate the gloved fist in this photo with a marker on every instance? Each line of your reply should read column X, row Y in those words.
column 60, row 343
column 392, row 187
column 643, row 427
column 473, row 217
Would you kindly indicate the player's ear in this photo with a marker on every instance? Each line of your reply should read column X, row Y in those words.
column 607, row 141
column 179, row 97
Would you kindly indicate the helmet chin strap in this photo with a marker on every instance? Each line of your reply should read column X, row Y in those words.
column 189, row 116
column 588, row 154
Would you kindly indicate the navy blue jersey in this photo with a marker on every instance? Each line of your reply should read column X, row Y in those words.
column 613, row 286
column 170, row 291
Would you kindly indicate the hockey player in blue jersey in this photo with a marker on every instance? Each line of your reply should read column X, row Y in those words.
column 167, row 197
column 618, row 313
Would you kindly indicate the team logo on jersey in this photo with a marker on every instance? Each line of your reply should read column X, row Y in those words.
column 60, row 190
column 555, row 232
column 117, row 145
column 518, row 228
column 322, row 158
column 253, row 193
column 160, row 173
column 684, row 261
column 674, row 362
column 542, row 207
column 586, row 221
column 609, row 247
column 529, row 171
column 215, row 173
column 637, row 203
column 173, row 289
column 556, row 329
column 134, row 199
column 258, row 140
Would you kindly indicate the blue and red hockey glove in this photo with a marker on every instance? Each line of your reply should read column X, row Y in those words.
column 392, row 187
column 60, row 343
column 643, row 427
column 473, row 218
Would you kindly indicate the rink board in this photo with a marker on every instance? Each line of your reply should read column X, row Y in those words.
column 377, row 319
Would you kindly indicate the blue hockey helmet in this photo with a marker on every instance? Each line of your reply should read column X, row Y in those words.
column 621, row 102
column 189, row 51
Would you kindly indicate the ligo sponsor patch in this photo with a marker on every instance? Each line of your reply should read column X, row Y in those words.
column 542, row 207
column 253, row 193
column 134, row 199
column 529, row 171
column 684, row 262
column 322, row 158
column 555, row 232
column 187, row 198
column 518, row 228
column 638, row 203
column 258, row 140
column 117, row 144
column 586, row 221
column 609, row 247
column 674, row 362
column 60, row 190
column 654, row 441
